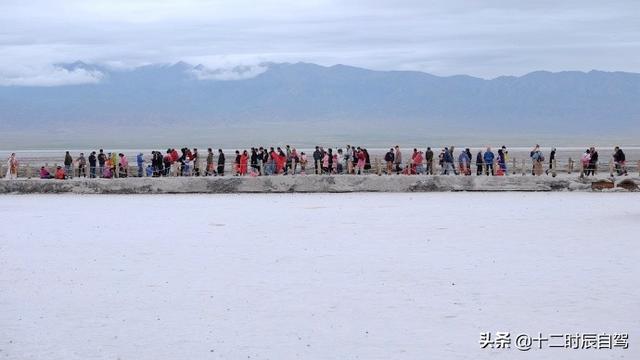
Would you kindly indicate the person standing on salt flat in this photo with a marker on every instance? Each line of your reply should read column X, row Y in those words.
column 488, row 161
column 140, row 162
column 389, row 157
column 397, row 160
column 537, row 158
column 12, row 167
column 479, row 163
column 68, row 165
column 361, row 161
column 82, row 165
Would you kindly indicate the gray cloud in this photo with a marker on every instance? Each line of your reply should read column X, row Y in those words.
column 482, row 38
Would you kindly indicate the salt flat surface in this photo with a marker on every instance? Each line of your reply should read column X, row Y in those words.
column 315, row 276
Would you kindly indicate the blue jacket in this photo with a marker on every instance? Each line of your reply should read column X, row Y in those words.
column 447, row 157
column 488, row 157
column 463, row 158
column 140, row 160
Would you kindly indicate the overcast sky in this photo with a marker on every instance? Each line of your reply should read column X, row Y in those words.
column 481, row 38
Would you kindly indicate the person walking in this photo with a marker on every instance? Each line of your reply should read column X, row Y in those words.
column 447, row 162
column 552, row 157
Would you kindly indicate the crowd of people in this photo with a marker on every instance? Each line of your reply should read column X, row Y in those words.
column 260, row 161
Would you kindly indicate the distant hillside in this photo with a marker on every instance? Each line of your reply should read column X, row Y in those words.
column 304, row 96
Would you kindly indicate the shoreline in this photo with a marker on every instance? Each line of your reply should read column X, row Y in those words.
column 321, row 184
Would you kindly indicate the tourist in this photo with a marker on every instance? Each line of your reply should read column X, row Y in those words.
column 68, row 164
column 108, row 173
column 102, row 159
column 537, row 159
column 281, row 161
column 44, row 173
column 317, row 158
column 12, row 167
column 149, row 171
column 82, row 165
column 593, row 162
column 428, row 157
column 447, row 161
column 488, row 161
column 195, row 160
column 502, row 159
column 114, row 164
column 339, row 161
column 388, row 158
column 244, row 159
column 210, row 167
column 464, row 163
column 361, row 161
column 619, row 160
column 60, row 174
column 417, row 162
column 220, row 162
column 552, row 157
column 167, row 161
column 123, row 165
column 236, row 163
column 92, row 165
column 254, row 160
column 479, row 163
column 348, row 159
column 303, row 163
column 585, row 159
column 397, row 160
column 140, row 163
column 186, row 167
column 325, row 162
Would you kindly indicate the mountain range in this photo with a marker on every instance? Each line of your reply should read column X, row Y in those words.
column 302, row 99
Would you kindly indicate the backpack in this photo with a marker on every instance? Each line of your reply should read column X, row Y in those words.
column 388, row 157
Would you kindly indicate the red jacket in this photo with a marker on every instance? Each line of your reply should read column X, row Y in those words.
column 60, row 174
